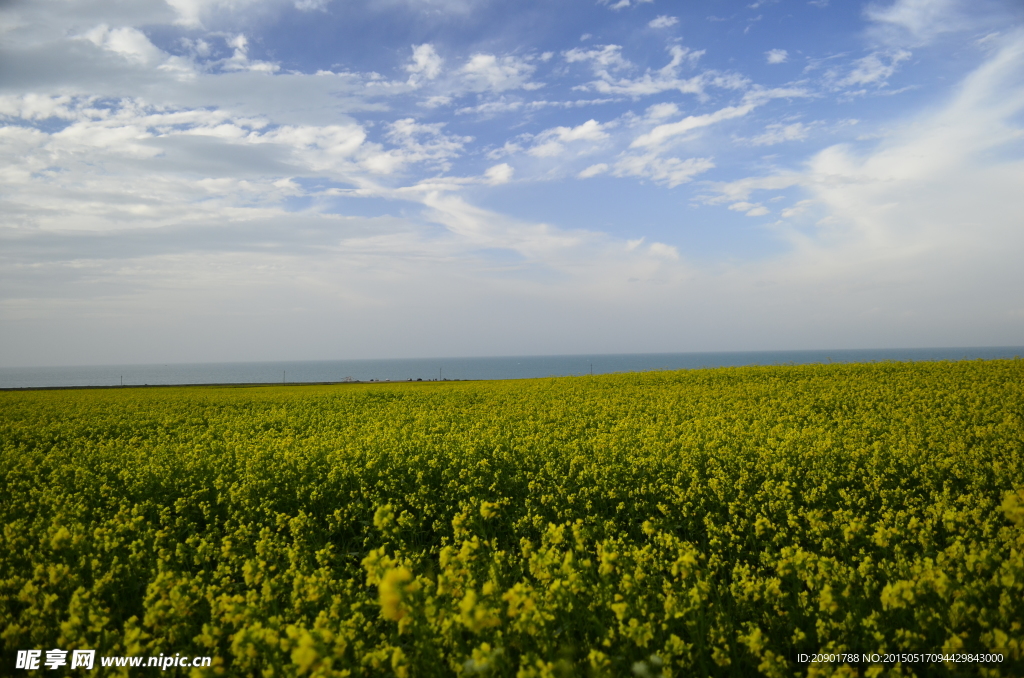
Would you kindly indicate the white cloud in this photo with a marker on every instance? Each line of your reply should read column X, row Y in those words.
column 483, row 228
column 490, row 73
column 662, row 111
column 426, row 63
column 916, row 22
column 668, row 171
column 416, row 143
column 741, row 189
column 240, row 61
column 750, row 209
column 142, row 155
column 193, row 12
column 327, row 148
column 741, row 206
column 776, row 56
column 874, row 69
column 603, row 58
column 36, row 106
column 499, row 174
column 621, row 4
column 663, row 21
column 487, row 108
column 189, row 11
column 777, row 133
column 551, row 142
column 797, row 209
column 130, row 43
column 660, row 249
column 606, row 61
column 662, row 133
column 647, row 155
column 436, row 101
column 197, row 47
column 929, row 189
column 593, row 171
column 591, row 130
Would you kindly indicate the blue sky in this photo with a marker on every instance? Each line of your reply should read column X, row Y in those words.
column 207, row 180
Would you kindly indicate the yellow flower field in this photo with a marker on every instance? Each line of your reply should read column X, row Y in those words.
column 720, row 522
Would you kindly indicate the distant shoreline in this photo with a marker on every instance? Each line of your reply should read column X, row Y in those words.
column 253, row 384
column 343, row 382
column 408, row 370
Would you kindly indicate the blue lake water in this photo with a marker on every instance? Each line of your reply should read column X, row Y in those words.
column 508, row 367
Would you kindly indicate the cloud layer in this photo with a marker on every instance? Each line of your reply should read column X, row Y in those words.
column 177, row 183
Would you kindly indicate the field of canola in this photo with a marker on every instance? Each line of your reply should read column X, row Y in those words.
column 712, row 522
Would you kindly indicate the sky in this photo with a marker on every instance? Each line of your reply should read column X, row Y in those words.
column 244, row 180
